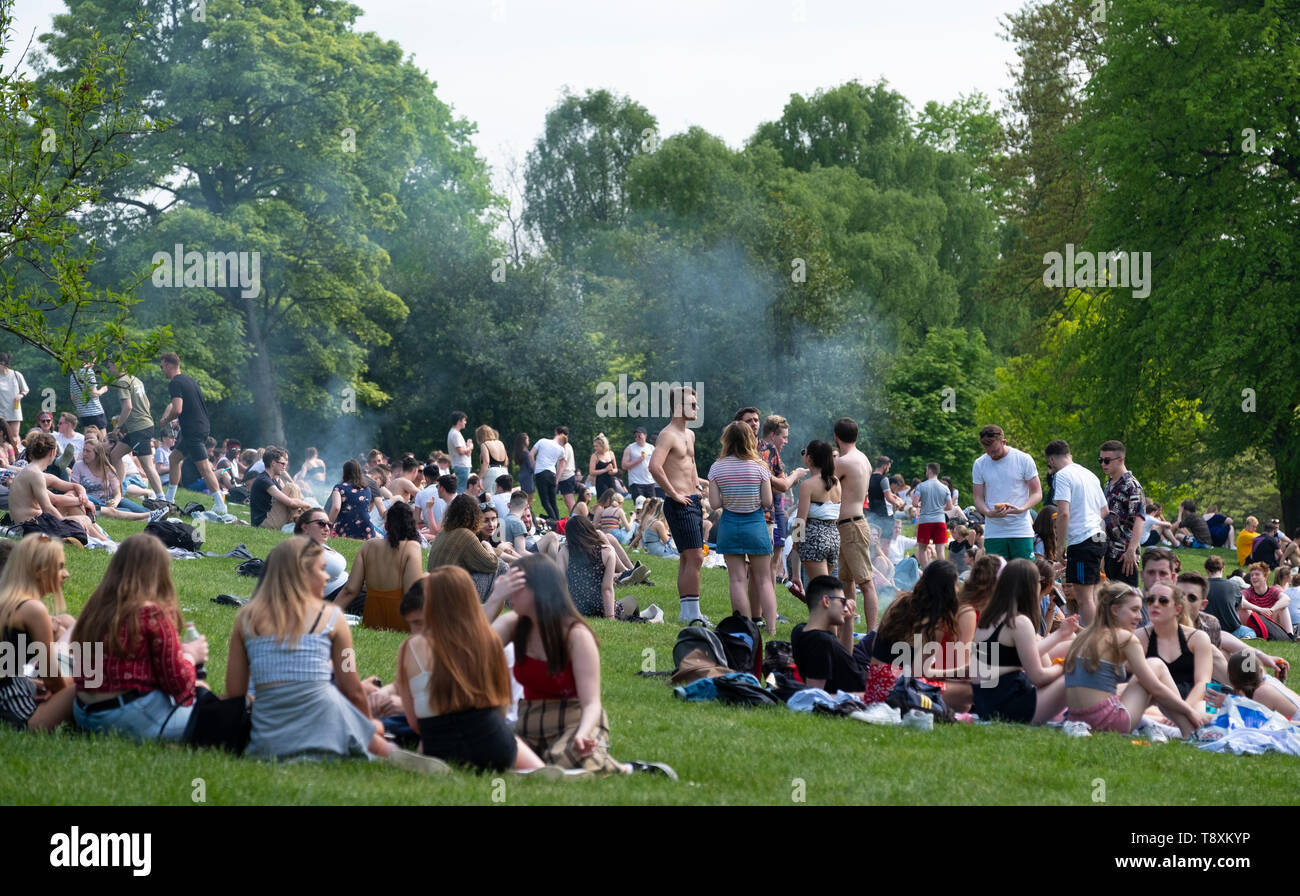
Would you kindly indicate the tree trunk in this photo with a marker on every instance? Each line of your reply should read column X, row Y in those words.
column 261, row 383
column 1287, row 462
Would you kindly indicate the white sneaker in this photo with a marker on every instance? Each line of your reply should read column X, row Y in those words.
column 653, row 613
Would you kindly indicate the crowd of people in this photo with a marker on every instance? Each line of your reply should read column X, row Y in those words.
column 1068, row 595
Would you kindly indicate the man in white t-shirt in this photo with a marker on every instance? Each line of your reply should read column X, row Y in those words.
column 504, row 485
column 460, row 449
column 636, row 461
column 566, row 482
column 426, row 495
column 1005, row 486
column 549, row 462
column 1080, row 533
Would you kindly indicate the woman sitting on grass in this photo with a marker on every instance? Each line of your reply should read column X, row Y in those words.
column 1015, row 680
column 589, row 565
column 96, row 475
column 296, row 651
column 557, row 660
column 976, row 592
column 929, row 613
column 146, row 687
column 387, row 567
column 1173, row 638
column 653, row 531
column 460, row 544
column 1246, row 674
column 453, row 680
column 1092, row 670
column 610, row 518
column 35, row 567
column 351, row 502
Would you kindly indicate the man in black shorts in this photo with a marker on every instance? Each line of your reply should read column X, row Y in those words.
column 134, row 431
column 673, row 467
column 1080, row 533
column 188, row 407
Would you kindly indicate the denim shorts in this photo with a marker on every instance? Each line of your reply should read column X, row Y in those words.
column 155, row 716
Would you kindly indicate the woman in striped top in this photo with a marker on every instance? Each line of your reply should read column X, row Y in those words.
column 610, row 517
column 741, row 484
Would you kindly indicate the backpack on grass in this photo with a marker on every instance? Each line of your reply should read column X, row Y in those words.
column 698, row 637
column 175, row 534
column 743, row 643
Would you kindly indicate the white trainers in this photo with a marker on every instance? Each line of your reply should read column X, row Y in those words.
column 653, row 613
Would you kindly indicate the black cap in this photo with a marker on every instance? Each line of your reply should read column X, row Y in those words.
column 641, row 429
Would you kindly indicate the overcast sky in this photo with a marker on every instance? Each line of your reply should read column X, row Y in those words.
column 725, row 66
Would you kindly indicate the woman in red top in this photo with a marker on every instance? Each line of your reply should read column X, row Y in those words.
column 146, row 686
column 558, row 663
column 1266, row 599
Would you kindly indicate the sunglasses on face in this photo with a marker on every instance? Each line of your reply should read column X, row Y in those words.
column 1160, row 599
column 1105, row 460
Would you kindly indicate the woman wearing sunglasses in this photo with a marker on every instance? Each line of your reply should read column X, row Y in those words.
column 1093, row 670
column 315, row 524
column 1172, row 638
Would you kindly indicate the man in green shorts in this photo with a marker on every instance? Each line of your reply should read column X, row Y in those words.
column 1005, row 486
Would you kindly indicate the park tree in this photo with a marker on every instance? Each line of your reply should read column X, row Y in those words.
column 60, row 145
column 933, row 393
column 290, row 136
column 1193, row 124
column 575, row 176
column 1041, row 182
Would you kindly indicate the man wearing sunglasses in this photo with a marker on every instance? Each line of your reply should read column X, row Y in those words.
column 1126, row 503
column 823, row 659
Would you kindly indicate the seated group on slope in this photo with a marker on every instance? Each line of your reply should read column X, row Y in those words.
column 291, row 657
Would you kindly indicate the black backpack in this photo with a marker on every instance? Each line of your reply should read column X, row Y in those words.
column 698, row 637
column 743, row 643
column 176, row 534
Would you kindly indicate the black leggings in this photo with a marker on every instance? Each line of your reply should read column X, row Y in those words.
column 545, row 482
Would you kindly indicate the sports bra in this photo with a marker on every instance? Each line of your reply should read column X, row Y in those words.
column 1105, row 678
column 1181, row 670
column 1006, row 656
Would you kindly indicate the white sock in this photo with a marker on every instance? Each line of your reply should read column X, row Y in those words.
column 171, row 493
column 690, row 608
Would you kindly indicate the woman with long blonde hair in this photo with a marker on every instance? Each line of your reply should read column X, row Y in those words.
column 295, row 650
column 97, row 476
column 493, row 461
column 34, row 569
column 453, row 680
column 653, row 530
column 741, row 484
column 603, row 464
column 145, row 688
column 1092, row 669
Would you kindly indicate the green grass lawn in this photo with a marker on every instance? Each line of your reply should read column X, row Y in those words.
column 724, row 755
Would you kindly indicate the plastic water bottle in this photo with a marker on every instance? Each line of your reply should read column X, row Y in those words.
column 192, row 634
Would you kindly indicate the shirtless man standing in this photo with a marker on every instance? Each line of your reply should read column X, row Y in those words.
column 29, row 497
column 853, row 469
column 673, row 467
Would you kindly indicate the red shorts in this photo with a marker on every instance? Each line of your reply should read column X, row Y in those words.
column 931, row 533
